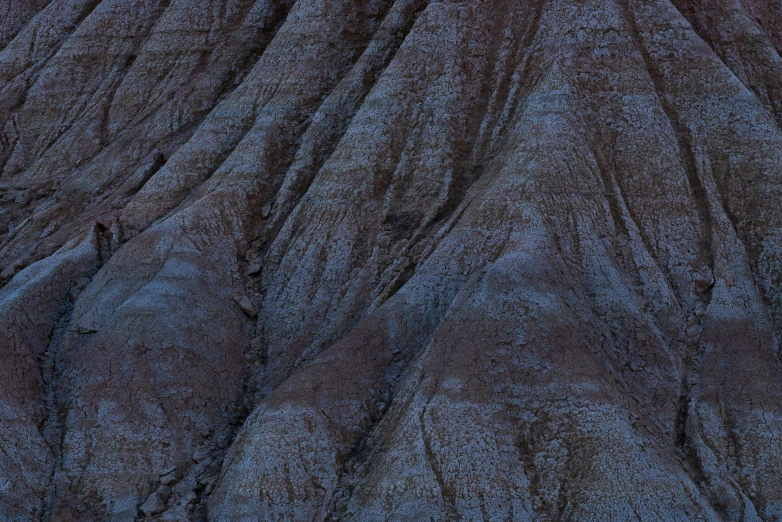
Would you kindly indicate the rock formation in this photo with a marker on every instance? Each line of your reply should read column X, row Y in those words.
column 399, row 260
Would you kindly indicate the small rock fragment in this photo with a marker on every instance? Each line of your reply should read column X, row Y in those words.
column 244, row 303
column 693, row 331
column 168, row 479
column 153, row 505
column 87, row 326
column 703, row 278
column 201, row 454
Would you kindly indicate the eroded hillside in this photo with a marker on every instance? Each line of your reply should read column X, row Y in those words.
column 390, row 260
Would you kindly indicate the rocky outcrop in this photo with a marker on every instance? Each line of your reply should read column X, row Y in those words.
column 390, row 260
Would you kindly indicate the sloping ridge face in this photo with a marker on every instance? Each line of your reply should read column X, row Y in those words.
column 390, row 260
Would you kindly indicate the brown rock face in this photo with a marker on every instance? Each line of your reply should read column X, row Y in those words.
column 390, row 260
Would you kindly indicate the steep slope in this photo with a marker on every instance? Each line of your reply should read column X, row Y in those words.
column 390, row 260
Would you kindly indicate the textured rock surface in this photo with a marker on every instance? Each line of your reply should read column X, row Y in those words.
column 390, row 260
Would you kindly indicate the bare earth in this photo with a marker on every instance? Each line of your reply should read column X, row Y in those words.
column 390, row 260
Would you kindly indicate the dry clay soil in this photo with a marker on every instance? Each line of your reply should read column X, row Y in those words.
column 390, row 260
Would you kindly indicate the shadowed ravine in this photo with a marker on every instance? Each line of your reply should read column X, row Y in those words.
column 390, row 260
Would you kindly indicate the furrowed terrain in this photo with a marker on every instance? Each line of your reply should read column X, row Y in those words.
column 403, row 260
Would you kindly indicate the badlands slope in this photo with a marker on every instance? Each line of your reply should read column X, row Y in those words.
column 403, row 260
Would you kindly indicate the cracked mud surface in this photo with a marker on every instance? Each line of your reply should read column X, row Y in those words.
column 390, row 260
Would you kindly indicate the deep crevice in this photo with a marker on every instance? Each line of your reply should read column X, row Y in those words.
column 53, row 428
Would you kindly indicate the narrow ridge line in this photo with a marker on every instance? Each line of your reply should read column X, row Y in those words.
column 702, row 33
column 12, row 36
column 193, row 127
column 693, row 359
column 275, row 227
